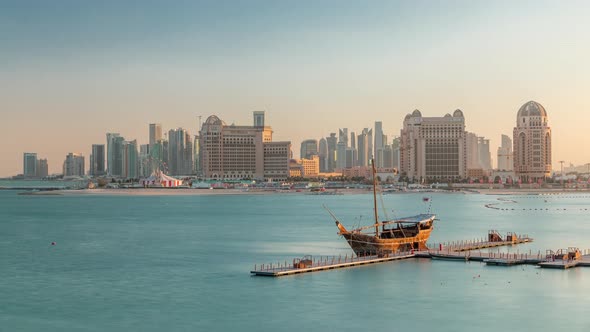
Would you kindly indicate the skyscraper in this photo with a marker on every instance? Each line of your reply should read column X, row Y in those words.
column 309, row 148
column 114, row 154
column 197, row 155
column 471, row 142
column 258, row 118
column 180, row 152
column 485, row 157
column 144, row 164
column 158, row 159
column 378, row 154
column 363, row 146
column 73, row 165
column 331, row 141
column 155, row 133
column 505, row 161
column 395, row 147
column 343, row 136
column 323, row 154
column 532, row 143
column 369, row 145
column 42, row 168
column 341, row 147
column 341, row 155
column 354, row 151
column 130, row 160
column 97, row 160
column 29, row 165
column 433, row 148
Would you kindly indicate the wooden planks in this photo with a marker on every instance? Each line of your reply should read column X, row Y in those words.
column 329, row 265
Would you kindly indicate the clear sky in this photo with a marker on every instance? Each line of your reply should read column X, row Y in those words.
column 70, row 71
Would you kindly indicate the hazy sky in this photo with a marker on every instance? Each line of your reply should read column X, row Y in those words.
column 70, row 71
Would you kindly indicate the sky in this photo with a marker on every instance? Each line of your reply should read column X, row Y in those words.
column 71, row 71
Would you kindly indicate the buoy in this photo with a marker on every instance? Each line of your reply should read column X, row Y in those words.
column 52, row 243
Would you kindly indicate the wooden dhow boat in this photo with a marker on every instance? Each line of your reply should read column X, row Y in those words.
column 388, row 236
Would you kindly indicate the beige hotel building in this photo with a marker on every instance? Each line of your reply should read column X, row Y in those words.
column 433, row 148
column 532, row 143
column 243, row 152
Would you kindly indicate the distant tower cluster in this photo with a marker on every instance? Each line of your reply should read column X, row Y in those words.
column 355, row 150
column 532, row 143
column 33, row 167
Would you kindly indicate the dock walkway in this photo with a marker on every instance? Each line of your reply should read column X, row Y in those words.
column 459, row 251
column 325, row 263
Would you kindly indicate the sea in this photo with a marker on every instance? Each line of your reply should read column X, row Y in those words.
column 182, row 263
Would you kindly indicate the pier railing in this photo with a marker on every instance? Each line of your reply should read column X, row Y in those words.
column 320, row 261
column 478, row 255
column 480, row 243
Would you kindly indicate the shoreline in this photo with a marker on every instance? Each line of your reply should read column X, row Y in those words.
column 329, row 192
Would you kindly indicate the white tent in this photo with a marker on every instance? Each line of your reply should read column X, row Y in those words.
column 159, row 179
column 168, row 181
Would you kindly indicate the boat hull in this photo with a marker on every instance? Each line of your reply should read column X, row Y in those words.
column 364, row 244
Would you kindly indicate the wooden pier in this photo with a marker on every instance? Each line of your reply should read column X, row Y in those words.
column 493, row 240
column 458, row 251
column 490, row 258
column 324, row 263
column 559, row 260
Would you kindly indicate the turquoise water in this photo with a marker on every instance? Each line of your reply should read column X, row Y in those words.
column 181, row 263
column 41, row 184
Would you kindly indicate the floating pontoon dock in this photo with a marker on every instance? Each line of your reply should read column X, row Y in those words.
column 458, row 251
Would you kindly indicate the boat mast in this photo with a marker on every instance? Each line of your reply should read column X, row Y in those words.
column 375, row 197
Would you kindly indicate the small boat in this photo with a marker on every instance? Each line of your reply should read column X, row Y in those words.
column 388, row 236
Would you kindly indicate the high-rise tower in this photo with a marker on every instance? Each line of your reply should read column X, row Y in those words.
column 532, row 143
column 505, row 161
column 155, row 133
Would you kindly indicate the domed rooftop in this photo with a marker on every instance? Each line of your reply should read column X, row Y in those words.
column 458, row 113
column 416, row 113
column 532, row 108
column 447, row 115
column 214, row 120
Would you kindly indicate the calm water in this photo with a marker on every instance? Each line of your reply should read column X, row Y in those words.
column 42, row 184
column 181, row 263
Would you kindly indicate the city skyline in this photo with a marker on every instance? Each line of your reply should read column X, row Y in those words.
column 69, row 79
